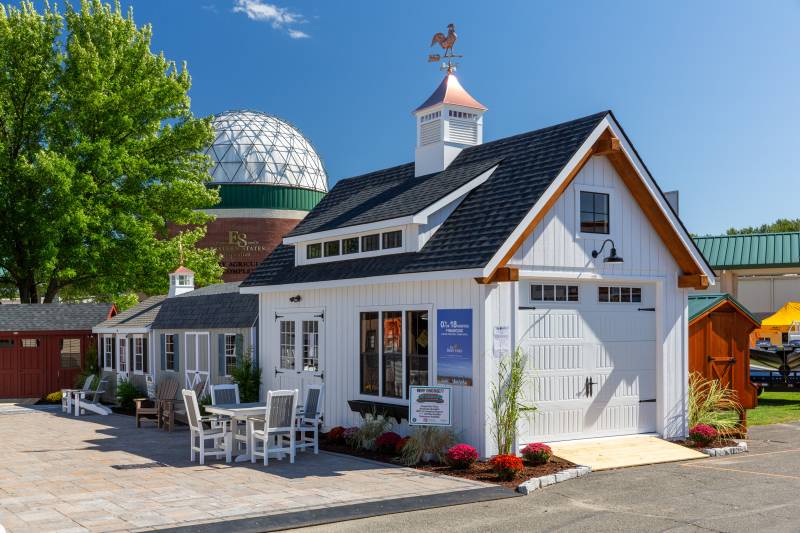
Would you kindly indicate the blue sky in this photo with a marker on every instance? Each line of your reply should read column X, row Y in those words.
column 708, row 91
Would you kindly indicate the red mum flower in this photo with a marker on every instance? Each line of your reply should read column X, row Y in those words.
column 702, row 435
column 537, row 453
column 336, row 434
column 507, row 467
column 461, row 456
column 386, row 442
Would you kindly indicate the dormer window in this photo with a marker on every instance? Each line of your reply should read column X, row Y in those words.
column 392, row 239
column 370, row 243
column 314, row 251
column 331, row 248
column 350, row 246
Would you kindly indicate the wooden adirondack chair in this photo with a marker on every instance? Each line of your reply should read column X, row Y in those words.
column 151, row 409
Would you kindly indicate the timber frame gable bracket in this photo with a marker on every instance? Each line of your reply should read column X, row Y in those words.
column 606, row 143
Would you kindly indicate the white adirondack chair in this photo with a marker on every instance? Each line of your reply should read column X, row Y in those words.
column 68, row 395
column 310, row 417
column 221, row 436
column 280, row 424
column 81, row 405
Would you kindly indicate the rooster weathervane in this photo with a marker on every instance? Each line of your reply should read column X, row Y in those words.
column 446, row 42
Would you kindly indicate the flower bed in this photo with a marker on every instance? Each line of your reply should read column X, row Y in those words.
column 479, row 470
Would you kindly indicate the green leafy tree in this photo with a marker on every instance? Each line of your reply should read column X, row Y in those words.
column 99, row 152
column 780, row 225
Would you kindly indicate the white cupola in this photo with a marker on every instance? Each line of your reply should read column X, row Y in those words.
column 449, row 121
column 181, row 281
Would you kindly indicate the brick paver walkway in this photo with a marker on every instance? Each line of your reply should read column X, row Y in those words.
column 57, row 474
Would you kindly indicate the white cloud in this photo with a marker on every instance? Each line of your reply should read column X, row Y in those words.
column 278, row 17
column 297, row 34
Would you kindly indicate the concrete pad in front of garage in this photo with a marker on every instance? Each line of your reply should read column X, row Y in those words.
column 619, row 452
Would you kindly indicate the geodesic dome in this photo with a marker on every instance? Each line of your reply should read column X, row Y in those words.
column 253, row 147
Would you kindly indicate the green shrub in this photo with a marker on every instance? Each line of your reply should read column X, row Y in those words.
column 427, row 443
column 248, row 377
column 90, row 368
column 126, row 393
column 53, row 397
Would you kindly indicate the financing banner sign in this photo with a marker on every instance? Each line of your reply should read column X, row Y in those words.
column 430, row 406
column 454, row 346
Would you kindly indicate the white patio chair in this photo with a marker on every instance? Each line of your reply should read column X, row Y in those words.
column 220, row 436
column 310, row 417
column 68, row 395
column 280, row 423
column 81, row 406
column 229, row 394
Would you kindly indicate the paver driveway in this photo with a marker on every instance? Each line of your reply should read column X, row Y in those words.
column 58, row 473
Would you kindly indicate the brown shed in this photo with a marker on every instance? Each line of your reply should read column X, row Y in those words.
column 719, row 343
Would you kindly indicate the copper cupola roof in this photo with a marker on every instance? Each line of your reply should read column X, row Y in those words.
column 450, row 91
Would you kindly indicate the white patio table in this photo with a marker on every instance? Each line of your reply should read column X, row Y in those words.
column 239, row 411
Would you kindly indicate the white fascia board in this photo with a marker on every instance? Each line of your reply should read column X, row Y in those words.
column 375, row 280
column 548, row 194
column 653, row 189
column 347, row 230
column 422, row 216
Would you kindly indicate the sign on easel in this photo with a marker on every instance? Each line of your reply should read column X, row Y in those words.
column 430, row 406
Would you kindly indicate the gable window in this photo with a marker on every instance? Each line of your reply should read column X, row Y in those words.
column 393, row 352
column 370, row 243
column 331, row 248
column 138, row 354
column 169, row 352
column 108, row 352
column 594, row 212
column 546, row 292
column 314, row 251
column 392, row 239
column 350, row 246
column 617, row 295
column 70, row 353
column 230, row 353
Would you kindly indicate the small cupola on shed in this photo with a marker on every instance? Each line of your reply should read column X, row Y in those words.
column 447, row 122
column 181, row 281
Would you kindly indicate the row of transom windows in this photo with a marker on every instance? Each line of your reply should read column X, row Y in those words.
column 354, row 245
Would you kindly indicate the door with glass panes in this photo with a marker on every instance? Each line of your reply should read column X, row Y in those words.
column 299, row 361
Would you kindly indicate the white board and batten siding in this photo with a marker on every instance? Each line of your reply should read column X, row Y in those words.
column 339, row 353
column 558, row 251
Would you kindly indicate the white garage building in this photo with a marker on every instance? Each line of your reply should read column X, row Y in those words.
column 362, row 292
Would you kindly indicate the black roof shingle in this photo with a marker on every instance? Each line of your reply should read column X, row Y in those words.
column 527, row 165
column 208, row 311
column 52, row 317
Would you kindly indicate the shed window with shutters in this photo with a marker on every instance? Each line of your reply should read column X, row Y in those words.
column 139, row 363
column 108, row 353
column 169, row 352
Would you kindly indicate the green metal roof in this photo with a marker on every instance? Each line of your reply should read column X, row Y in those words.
column 699, row 303
column 756, row 250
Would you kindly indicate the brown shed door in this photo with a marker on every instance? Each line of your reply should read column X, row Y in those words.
column 720, row 353
column 9, row 368
column 32, row 366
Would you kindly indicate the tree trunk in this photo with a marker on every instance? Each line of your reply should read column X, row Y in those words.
column 28, row 293
column 52, row 291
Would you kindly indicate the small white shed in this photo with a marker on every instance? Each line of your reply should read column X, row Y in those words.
column 561, row 235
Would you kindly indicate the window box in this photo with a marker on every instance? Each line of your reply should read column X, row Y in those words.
column 392, row 410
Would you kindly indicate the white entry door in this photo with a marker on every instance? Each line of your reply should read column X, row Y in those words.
column 197, row 362
column 592, row 362
column 296, row 351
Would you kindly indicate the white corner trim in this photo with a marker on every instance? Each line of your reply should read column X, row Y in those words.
column 375, row 280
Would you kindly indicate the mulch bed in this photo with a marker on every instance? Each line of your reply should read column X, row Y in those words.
column 480, row 471
column 718, row 443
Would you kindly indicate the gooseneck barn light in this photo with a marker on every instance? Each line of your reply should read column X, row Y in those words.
column 612, row 255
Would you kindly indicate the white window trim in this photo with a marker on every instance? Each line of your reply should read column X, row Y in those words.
column 225, row 348
column 122, row 340
column 301, row 256
column 614, row 212
column 527, row 295
column 380, row 309
column 174, row 355
column 110, row 352
column 132, row 355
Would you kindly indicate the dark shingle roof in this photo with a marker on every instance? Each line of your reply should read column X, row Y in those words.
column 210, row 311
column 758, row 250
column 475, row 230
column 52, row 317
column 390, row 193
column 140, row 315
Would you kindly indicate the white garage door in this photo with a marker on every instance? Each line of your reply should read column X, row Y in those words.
column 592, row 362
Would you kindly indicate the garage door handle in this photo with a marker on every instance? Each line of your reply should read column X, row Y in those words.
column 647, row 309
column 653, row 400
column 527, row 308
